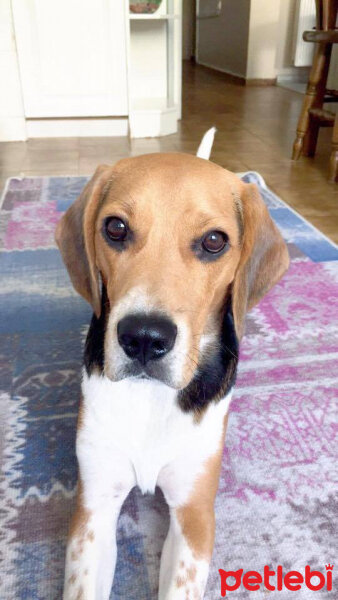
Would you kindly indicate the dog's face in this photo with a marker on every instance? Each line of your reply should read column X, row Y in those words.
column 178, row 242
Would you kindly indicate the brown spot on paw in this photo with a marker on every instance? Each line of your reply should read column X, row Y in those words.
column 90, row 536
column 191, row 573
column 80, row 595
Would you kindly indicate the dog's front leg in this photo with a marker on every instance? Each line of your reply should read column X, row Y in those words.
column 105, row 481
column 189, row 544
column 91, row 551
column 187, row 552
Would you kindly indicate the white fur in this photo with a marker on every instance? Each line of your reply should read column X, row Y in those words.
column 140, row 421
column 205, row 147
column 134, row 433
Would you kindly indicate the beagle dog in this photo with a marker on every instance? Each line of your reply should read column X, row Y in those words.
column 171, row 251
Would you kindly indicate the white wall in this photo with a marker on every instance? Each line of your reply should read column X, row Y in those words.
column 223, row 41
column 286, row 27
column 12, row 120
column 263, row 36
column 250, row 38
column 285, row 68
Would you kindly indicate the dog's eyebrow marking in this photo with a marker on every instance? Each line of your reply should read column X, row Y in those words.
column 106, row 189
column 207, row 221
column 126, row 204
column 238, row 215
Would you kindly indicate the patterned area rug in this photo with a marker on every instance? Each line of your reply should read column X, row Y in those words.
column 276, row 503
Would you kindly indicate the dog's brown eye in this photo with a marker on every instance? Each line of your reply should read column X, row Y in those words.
column 116, row 229
column 214, row 241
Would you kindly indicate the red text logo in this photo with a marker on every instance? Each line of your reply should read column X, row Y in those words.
column 275, row 580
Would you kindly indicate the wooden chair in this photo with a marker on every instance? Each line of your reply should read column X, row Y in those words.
column 313, row 115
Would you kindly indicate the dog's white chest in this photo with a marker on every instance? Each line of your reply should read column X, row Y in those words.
column 139, row 424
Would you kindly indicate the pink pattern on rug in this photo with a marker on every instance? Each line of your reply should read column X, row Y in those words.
column 32, row 226
column 282, row 434
column 297, row 301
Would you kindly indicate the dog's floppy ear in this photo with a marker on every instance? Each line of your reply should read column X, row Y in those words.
column 264, row 256
column 75, row 237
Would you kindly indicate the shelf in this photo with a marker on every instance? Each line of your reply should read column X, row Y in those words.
column 151, row 17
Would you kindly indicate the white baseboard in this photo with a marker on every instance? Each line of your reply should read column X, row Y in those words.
column 296, row 74
column 153, row 119
column 226, row 71
column 12, row 129
column 104, row 127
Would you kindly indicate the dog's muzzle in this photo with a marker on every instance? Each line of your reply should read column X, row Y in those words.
column 145, row 338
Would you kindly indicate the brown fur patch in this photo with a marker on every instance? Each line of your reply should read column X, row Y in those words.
column 264, row 257
column 80, row 594
column 90, row 536
column 197, row 517
column 75, row 237
column 191, row 573
column 79, row 523
column 80, row 416
column 72, row 579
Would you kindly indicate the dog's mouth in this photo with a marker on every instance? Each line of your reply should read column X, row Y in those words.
column 155, row 371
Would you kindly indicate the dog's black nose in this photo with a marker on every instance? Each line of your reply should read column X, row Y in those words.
column 146, row 337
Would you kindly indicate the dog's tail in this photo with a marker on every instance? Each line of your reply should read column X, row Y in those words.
column 205, row 147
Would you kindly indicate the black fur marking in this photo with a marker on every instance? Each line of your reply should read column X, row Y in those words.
column 217, row 375
column 94, row 346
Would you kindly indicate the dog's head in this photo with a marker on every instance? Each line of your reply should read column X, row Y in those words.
column 171, row 251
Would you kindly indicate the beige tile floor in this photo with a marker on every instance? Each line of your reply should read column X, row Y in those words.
column 256, row 127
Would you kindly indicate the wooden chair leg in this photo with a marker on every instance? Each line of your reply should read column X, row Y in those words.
column 311, row 137
column 314, row 94
column 333, row 172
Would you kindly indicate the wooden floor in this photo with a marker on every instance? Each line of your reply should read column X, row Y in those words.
column 256, row 127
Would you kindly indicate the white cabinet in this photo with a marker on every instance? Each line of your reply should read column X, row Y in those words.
column 72, row 57
column 90, row 68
